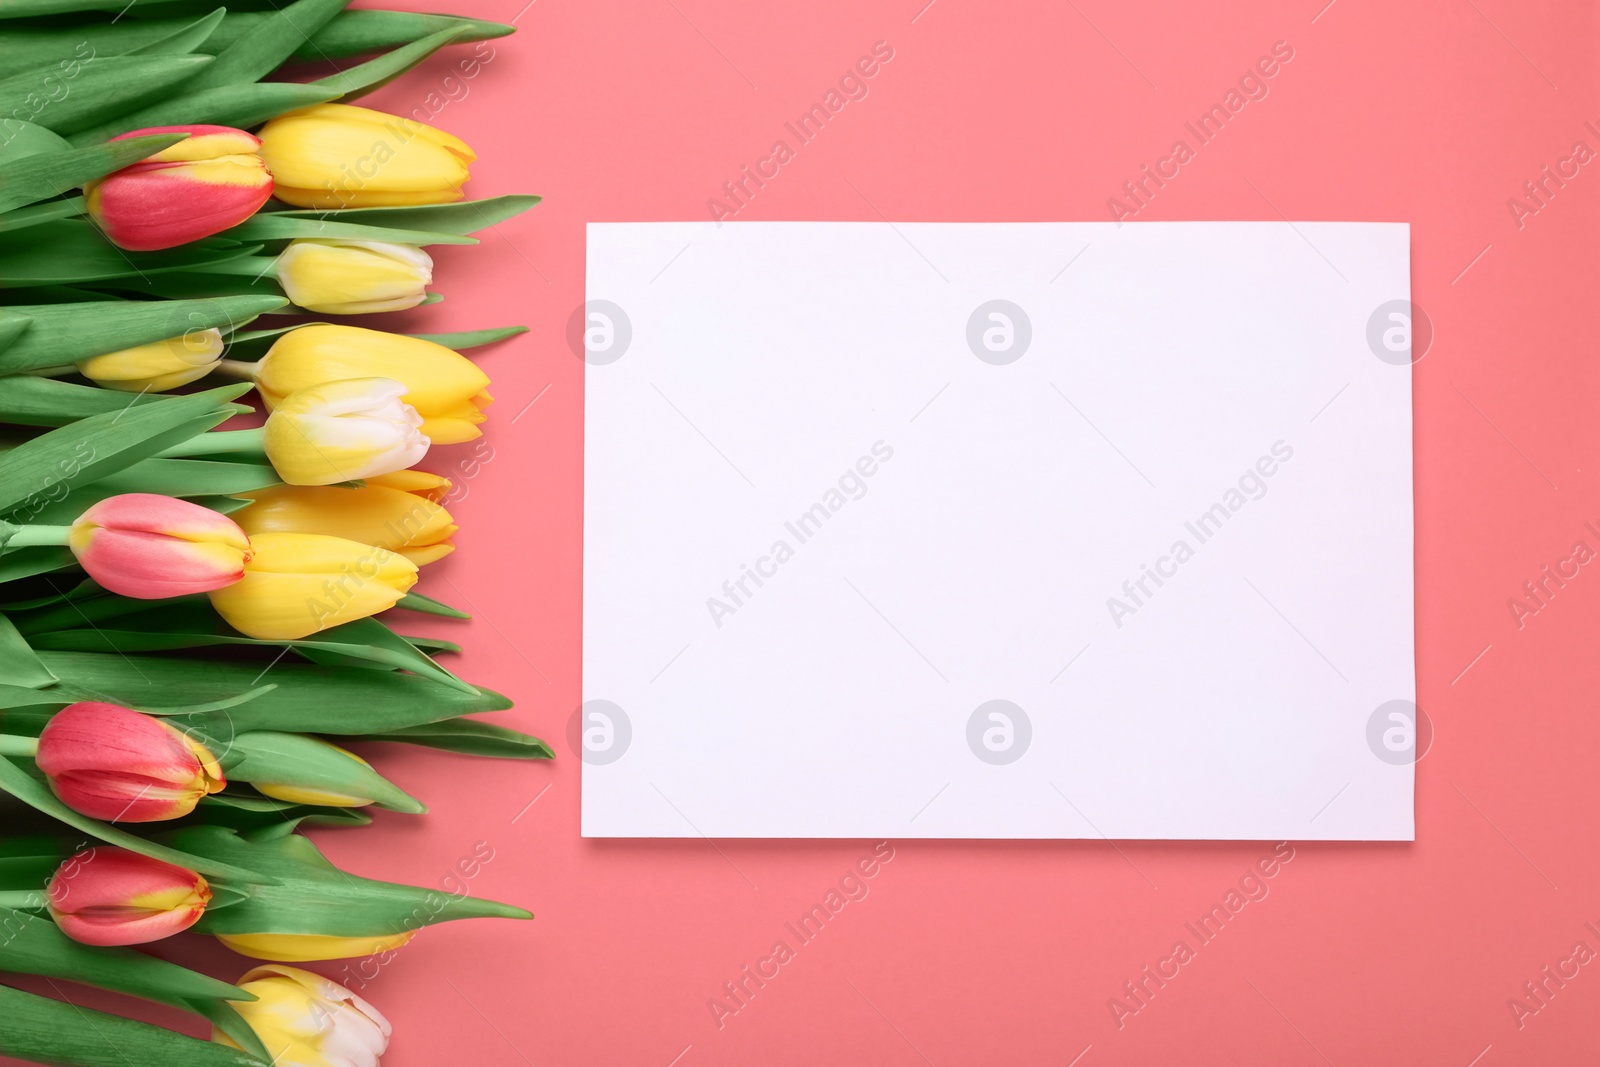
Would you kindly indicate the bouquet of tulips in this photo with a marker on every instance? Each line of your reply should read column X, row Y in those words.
column 189, row 629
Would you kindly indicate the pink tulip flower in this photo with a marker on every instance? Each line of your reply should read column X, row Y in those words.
column 111, row 896
column 148, row 546
column 114, row 764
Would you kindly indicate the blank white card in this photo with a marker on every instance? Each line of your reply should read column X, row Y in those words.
column 998, row 530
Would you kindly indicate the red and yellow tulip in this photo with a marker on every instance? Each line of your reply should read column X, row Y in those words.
column 149, row 546
column 111, row 896
column 204, row 184
column 112, row 763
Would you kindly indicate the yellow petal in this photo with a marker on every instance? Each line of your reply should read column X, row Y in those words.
column 436, row 378
column 299, row 584
column 297, row 948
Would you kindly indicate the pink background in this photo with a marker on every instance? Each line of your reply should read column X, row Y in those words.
column 1433, row 112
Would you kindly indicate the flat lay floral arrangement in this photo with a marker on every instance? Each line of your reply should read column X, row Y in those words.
column 190, row 623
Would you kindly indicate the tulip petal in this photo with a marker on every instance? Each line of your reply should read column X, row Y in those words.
column 111, row 896
column 117, row 765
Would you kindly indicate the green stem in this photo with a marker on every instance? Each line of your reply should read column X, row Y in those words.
column 248, row 266
column 28, row 536
column 217, row 442
column 241, row 369
column 24, row 899
column 18, row 745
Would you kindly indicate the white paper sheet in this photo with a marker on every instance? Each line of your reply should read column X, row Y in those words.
column 871, row 512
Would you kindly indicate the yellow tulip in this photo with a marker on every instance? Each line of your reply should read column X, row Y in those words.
column 305, row 1020
column 342, row 429
column 354, row 277
column 446, row 388
column 413, row 526
column 338, row 156
column 300, row 948
column 158, row 366
column 434, row 487
column 297, row 584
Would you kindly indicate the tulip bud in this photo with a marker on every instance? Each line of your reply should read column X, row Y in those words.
column 343, row 430
column 305, row 1020
column 354, row 277
column 338, row 156
column 445, row 387
column 297, row 584
column 111, row 896
column 309, row 770
column 114, row 764
column 413, row 526
column 158, row 366
column 305, row 948
column 202, row 185
column 148, row 546
column 434, row 487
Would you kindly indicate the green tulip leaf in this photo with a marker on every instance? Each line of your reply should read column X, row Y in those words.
column 418, row 602
column 241, row 106
column 471, row 737
column 68, row 332
column 19, row 664
column 92, row 448
column 30, row 139
column 264, row 817
column 251, row 58
column 23, row 217
column 51, row 1031
column 31, row 401
column 35, row 945
column 349, row 33
column 308, row 698
column 270, row 757
column 357, row 81
column 281, row 226
column 191, row 623
column 35, row 794
column 354, row 33
column 461, row 217
column 472, row 338
column 12, row 325
column 27, row 562
column 95, row 89
column 189, row 477
column 74, row 250
column 312, row 896
column 40, row 177
column 183, row 40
